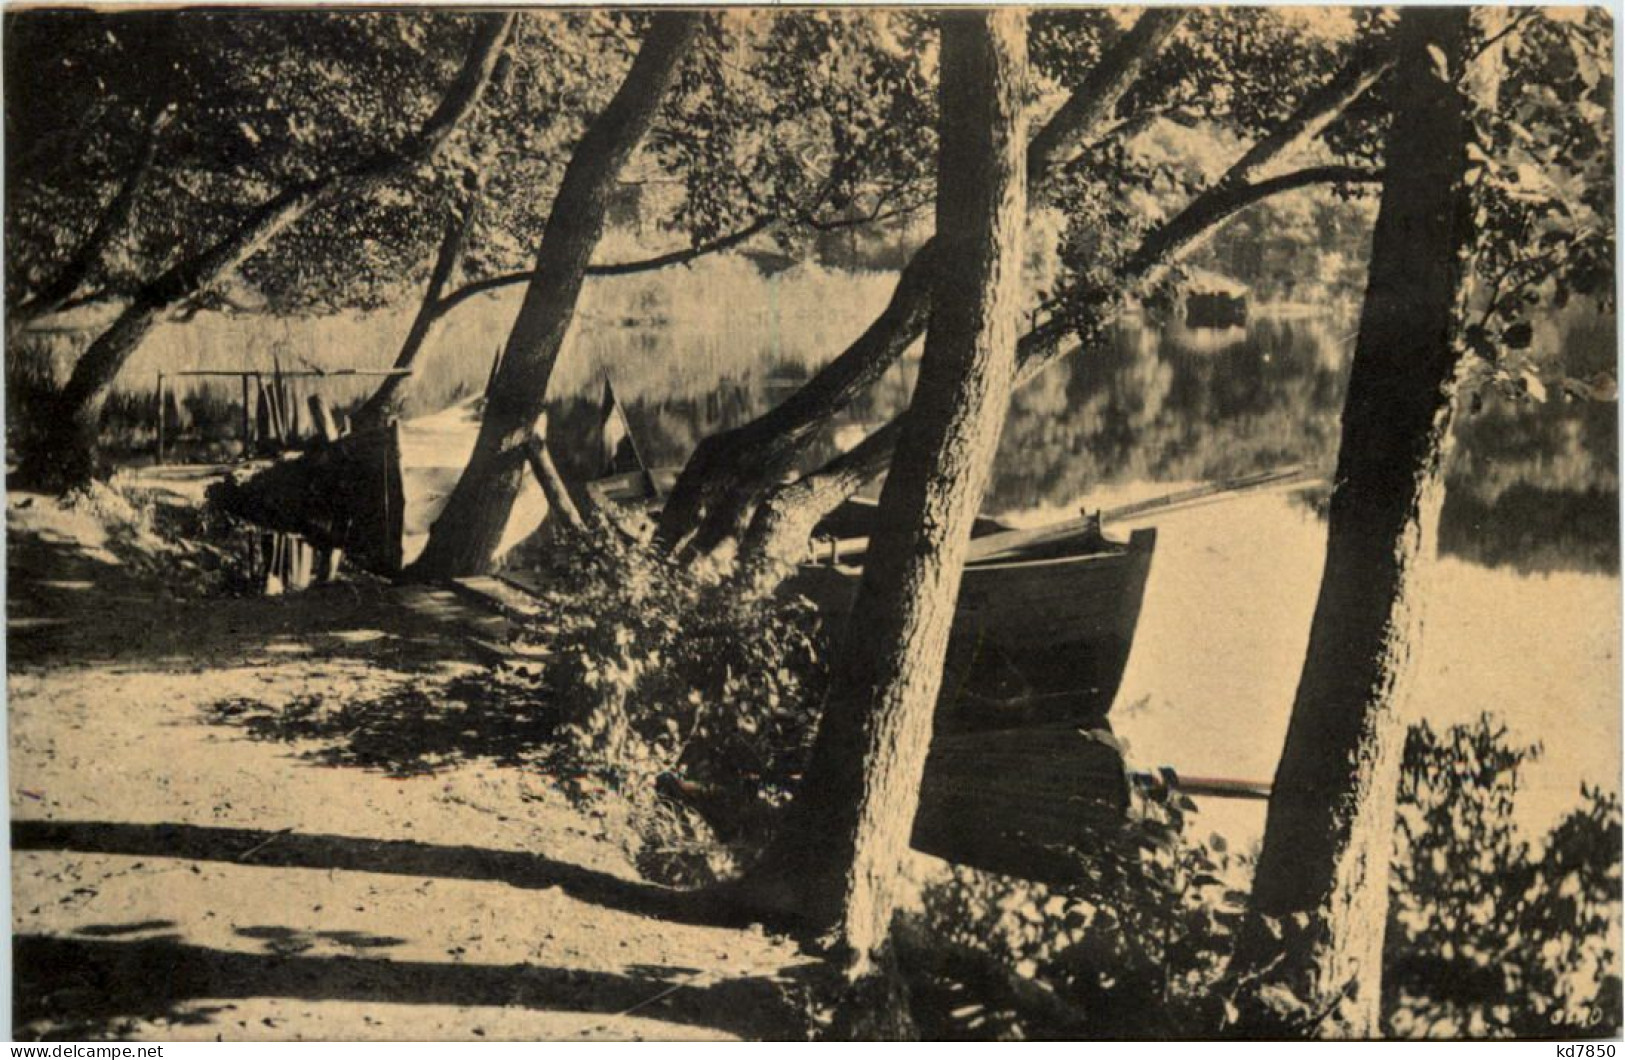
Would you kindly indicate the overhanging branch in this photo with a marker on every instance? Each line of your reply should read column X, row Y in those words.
column 624, row 268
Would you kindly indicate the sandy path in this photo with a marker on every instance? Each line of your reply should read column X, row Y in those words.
column 174, row 877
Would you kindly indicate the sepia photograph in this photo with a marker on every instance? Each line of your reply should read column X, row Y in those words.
column 826, row 523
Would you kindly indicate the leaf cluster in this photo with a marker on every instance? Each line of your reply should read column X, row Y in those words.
column 1135, row 945
column 1541, row 172
column 820, row 119
column 670, row 686
column 1491, row 935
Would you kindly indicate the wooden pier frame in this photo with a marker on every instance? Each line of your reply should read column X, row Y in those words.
column 258, row 376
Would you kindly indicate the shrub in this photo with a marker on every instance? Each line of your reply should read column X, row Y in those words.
column 1134, row 948
column 1489, row 935
column 675, row 689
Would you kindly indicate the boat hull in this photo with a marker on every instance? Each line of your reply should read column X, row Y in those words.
column 375, row 494
column 1034, row 642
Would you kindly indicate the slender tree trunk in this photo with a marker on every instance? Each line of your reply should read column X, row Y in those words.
column 784, row 522
column 464, row 540
column 385, row 401
column 68, row 456
column 1323, row 872
column 842, row 846
column 729, row 472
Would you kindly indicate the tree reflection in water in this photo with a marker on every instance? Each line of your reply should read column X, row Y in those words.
column 1533, row 486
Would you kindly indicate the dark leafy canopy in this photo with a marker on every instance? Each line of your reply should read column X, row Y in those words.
column 1543, row 182
column 818, row 119
column 259, row 100
column 559, row 68
column 809, row 119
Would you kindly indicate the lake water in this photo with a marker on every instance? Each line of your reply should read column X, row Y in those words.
column 1524, row 622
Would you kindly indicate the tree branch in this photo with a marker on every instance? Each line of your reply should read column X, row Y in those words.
column 1317, row 110
column 1211, row 209
column 459, row 223
column 624, row 268
column 95, row 371
column 1087, row 109
column 113, row 218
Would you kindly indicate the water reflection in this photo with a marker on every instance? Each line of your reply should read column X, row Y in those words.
column 1529, row 531
column 280, row 563
column 1532, row 486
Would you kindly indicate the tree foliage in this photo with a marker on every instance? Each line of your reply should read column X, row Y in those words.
column 1543, row 185
column 1491, row 935
column 258, row 101
column 819, row 119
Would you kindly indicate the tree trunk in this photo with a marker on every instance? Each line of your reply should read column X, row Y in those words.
column 784, row 520
column 718, row 485
column 385, row 401
column 842, row 847
column 68, row 456
column 729, row 472
column 561, row 506
column 1323, row 871
column 464, row 540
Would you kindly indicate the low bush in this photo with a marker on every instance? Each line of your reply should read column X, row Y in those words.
column 1490, row 934
column 681, row 694
column 1134, row 948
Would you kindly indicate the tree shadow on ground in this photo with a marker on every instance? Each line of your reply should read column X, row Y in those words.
column 76, row 606
column 80, row 989
column 399, row 857
column 411, row 730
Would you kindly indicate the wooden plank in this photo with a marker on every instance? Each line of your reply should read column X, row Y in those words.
column 500, row 596
column 321, row 416
column 394, row 507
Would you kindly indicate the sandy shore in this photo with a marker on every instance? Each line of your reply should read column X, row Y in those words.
column 177, row 873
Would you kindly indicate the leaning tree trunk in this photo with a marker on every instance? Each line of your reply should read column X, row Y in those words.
column 384, row 404
column 1323, row 874
column 465, row 539
column 840, row 853
column 68, row 455
column 728, row 473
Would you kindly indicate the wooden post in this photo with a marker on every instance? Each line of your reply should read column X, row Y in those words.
column 327, row 565
column 160, row 418
column 321, row 418
column 262, row 412
column 291, row 404
column 559, row 503
column 248, row 430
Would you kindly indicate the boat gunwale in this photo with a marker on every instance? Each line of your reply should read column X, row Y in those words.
column 1141, row 542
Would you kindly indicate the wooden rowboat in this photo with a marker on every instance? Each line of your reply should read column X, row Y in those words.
column 1043, row 626
column 1044, row 621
